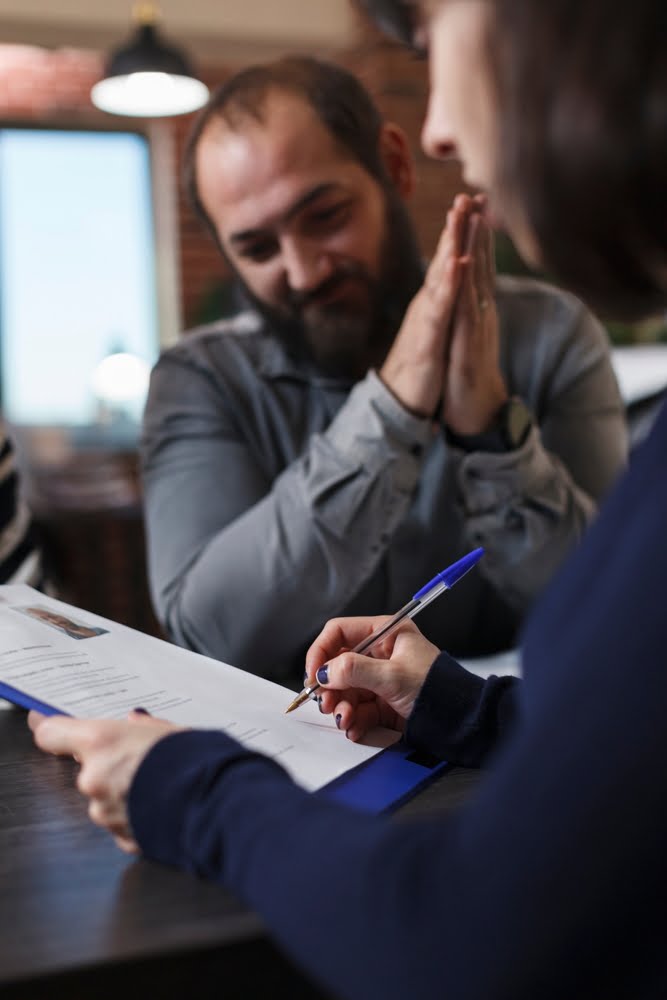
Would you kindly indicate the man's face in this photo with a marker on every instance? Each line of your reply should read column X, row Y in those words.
column 318, row 243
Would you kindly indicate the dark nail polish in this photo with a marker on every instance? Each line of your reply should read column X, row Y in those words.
column 141, row 711
column 338, row 718
column 319, row 703
column 323, row 674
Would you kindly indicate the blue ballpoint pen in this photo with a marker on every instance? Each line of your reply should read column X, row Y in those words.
column 438, row 585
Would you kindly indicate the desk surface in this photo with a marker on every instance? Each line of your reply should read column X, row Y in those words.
column 80, row 919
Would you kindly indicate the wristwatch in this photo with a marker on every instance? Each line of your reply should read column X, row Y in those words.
column 507, row 433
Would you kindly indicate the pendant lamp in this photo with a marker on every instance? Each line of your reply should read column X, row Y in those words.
column 148, row 78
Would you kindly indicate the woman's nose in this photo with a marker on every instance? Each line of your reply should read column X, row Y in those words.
column 437, row 139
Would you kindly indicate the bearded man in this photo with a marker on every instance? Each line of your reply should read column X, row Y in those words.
column 360, row 424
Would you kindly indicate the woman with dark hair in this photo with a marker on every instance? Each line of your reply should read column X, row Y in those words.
column 549, row 882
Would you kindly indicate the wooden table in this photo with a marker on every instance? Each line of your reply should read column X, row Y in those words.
column 81, row 920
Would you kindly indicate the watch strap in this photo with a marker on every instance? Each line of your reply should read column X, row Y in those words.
column 507, row 433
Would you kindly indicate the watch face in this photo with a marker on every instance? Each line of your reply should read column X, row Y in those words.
column 517, row 422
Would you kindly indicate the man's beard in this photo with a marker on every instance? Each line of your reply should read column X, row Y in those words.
column 339, row 338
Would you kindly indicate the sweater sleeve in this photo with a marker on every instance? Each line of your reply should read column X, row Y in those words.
column 459, row 717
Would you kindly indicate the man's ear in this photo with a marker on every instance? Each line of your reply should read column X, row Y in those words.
column 397, row 158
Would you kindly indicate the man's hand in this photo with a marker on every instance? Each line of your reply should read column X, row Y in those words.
column 414, row 368
column 109, row 753
column 367, row 691
column 447, row 347
column 473, row 386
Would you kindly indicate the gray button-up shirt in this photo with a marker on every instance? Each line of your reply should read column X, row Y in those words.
column 277, row 498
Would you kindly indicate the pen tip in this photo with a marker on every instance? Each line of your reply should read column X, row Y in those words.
column 299, row 700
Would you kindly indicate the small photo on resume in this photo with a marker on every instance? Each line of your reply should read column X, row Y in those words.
column 75, row 630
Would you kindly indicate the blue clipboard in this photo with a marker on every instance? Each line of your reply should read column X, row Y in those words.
column 24, row 700
column 377, row 785
column 385, row 781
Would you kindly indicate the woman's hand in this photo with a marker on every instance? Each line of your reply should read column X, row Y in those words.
column 109, row 753
column 367, row 691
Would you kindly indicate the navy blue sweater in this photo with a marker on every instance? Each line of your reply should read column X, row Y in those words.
column 550, row 882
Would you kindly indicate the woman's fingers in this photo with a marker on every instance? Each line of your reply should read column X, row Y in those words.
column 356, row 671
column 339, row 634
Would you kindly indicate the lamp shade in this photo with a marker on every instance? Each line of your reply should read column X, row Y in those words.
column 147, row 78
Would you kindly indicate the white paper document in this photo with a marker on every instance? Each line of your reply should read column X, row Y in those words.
column 90, row 667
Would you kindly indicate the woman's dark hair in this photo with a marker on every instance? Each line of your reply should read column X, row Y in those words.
column 582, row 93
column 583, row 152
column 339, row 100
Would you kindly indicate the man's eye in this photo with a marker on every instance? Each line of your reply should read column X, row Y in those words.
column 330, row 214
column 259, row 251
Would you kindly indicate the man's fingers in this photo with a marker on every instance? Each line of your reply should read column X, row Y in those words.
column 467, row 310
column 489, row 256
column 483, row 259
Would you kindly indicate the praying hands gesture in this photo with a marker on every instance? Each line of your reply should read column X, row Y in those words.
column 473, row 387
column 446, row 354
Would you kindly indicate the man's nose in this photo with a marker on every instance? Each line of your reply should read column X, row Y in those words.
column 436, row 138
column 306, row 263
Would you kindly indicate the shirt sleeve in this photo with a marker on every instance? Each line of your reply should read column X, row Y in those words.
column 528, row 507
column 254, row 561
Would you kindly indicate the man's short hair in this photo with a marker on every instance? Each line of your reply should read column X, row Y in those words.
column 337, row 97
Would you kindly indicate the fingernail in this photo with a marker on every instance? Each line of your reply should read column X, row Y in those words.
column 323, row 674
column 141, row 711
column 319, row 703
column 338, row 718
